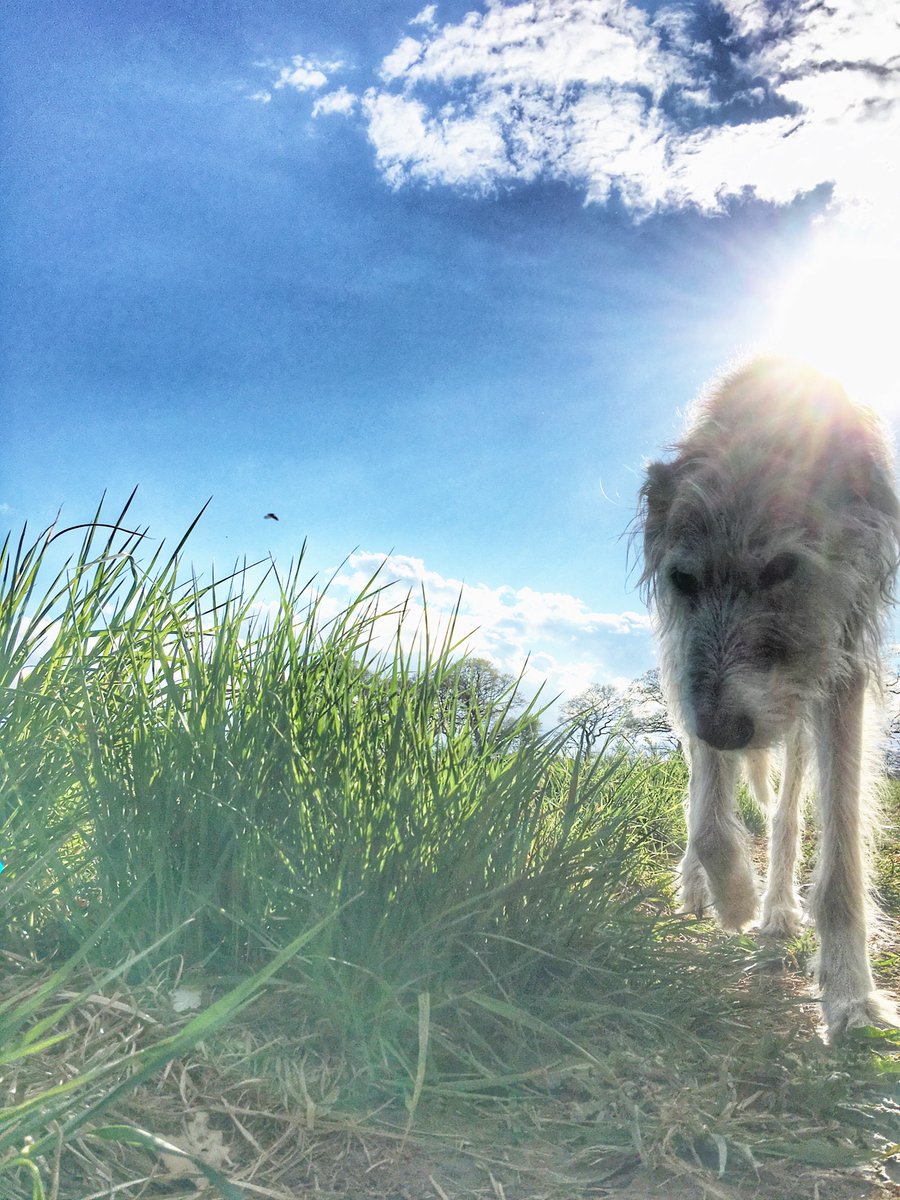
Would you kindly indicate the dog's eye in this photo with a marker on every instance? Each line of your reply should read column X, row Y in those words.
column 773, row 651
column 685, row 583
column 778, row 570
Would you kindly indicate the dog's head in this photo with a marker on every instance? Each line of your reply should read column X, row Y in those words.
column 770, row 547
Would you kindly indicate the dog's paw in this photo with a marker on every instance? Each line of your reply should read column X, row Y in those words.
column 694, row 899
column 781, row 922
column 736, row 915
column 737, row 907
column 694, row 892
column 844, row 1014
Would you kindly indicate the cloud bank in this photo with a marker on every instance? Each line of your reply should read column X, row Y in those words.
column 554, row 639
column 686, row 107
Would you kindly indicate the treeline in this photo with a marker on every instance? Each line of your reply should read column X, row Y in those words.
column 473, row 694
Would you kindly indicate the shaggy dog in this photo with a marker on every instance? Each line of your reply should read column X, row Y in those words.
column 771, row 542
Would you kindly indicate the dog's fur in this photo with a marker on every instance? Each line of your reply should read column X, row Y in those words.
column 771, row 542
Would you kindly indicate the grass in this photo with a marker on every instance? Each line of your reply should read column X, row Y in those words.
column 447, row 948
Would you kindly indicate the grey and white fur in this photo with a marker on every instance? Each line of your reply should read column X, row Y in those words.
column 771, row 543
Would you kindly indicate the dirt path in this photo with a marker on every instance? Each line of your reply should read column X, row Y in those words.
column 365, row 1169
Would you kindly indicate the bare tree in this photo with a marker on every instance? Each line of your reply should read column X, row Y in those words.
column 639, row 716
column 649, row 714
column 598, row 714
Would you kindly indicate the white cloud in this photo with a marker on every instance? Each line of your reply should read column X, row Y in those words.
column 445, row 148
column 554, row 638
column 813, row 35
column 340, row 101
column 596, row 93
column 544, row 44
column 426, row 16
column 565, row 89
column 600, row 94
column 401, row 59
column 302, row 74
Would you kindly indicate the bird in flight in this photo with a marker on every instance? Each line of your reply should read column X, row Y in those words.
column 270, row 517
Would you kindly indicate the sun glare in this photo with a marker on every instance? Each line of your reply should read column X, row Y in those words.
column 838, row 311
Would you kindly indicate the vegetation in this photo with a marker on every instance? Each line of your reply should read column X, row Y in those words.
column 434, row 942
column 635, row 719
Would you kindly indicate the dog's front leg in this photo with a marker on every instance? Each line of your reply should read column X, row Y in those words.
column 782, row 916
column 840, row 893
column 717, row 842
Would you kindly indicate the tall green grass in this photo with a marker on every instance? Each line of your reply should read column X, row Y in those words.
column 239, row 770
column 250, row 767
column 247, row 772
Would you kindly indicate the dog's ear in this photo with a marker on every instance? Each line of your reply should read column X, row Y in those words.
column 658, row 491
column 860, row 480
column 656, row 496
column 873, row 486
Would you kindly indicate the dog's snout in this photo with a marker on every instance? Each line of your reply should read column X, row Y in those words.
column 724, row 730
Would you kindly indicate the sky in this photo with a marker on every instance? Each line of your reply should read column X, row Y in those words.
column 431, row 283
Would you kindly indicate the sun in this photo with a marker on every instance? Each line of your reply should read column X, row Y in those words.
column 838, row 310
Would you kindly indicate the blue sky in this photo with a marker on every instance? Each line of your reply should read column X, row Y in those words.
column 428, row 281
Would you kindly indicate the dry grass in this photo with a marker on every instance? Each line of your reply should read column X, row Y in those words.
column 278, row 1105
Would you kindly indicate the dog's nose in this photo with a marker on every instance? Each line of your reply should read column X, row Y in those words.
column 725, row 730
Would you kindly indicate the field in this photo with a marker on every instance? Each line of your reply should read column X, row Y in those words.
column 288, row 912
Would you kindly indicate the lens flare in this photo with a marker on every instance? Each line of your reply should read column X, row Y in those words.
column 838, row 310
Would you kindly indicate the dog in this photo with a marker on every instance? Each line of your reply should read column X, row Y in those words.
column 770, row 545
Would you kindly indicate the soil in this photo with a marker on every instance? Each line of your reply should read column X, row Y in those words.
column 368, row 1171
